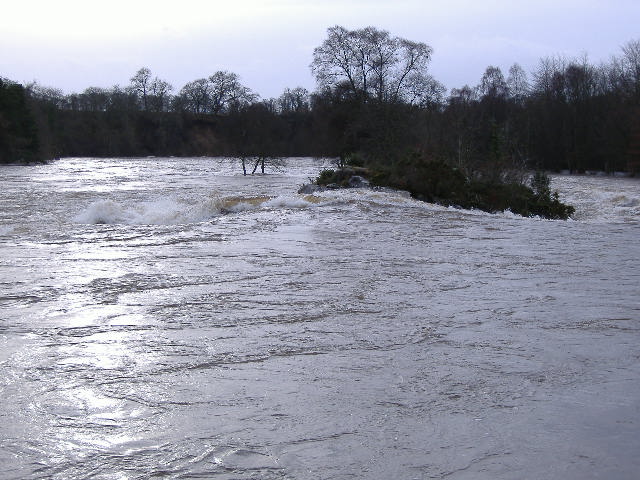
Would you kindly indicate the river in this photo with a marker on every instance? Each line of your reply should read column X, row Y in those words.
column 172, row 318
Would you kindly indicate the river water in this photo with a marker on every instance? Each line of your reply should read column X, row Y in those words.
column 171, row 318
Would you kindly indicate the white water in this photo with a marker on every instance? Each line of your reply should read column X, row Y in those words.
column 170, row 318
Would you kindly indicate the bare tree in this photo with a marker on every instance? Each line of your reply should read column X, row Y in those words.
column 580, row 81
column 93, row 99
column 228, row 93
column 631, row 66
column 122, row 99
column 377, row 55
column 336, row 62
column 425, row 91
column 369, row 63
column 140, row 85
column 160, row 95
column 294, row 100
column 548, row 79
column 218, row 94
column 493, row 84
column 153, row 93
column 463, row 96
column 517, row 83
column 197, row 95
column 50, row 95
column 413, row 59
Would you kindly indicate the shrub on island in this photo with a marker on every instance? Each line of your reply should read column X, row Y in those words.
column 438, row 182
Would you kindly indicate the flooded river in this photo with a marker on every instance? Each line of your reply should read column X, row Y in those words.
column 172, row 318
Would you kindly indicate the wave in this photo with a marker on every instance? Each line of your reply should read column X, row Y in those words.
column 176, row 211
column 596, row 200
column 6, row 230
column 601, row 199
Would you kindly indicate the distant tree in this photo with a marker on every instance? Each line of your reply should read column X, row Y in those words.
column 227, row 93
column 141, row 84
column 54, row 97
column 463, row 96
column 548, row 78
column 153, row 93
column 517, row 83
column 370, row 64
column 631, row 67
column 294, row 100
column 197, row 95
column 122, row 100
column 493, row 84
column 580, row 81
column 94, row 99
column 425, row 91
column 160, row 95
column 271, row 105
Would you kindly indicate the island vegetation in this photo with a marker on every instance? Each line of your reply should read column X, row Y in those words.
column 376, row 108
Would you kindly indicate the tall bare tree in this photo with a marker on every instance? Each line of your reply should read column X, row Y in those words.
column 517, row 83
column 370, row 63
column 631, row 65
column 153, row 93
column 140, row 85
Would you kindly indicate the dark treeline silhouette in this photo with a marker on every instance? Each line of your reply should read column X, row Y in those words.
column 19, row 135
column 374, row 100
column 214, row 116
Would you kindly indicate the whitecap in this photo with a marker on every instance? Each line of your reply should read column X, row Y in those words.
column 164, row 211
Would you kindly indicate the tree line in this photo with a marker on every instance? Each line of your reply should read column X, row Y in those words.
column 375, row 101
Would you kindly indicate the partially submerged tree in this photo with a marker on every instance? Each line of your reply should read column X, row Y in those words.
column 256, row 136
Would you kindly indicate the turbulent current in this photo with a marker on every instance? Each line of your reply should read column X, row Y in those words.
column 172, row 318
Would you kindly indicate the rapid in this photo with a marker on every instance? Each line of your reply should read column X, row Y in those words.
column 171, row 318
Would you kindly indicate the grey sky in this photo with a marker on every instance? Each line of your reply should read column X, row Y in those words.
column 75, row 44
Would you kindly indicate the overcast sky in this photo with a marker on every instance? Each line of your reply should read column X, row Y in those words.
column 72, row 45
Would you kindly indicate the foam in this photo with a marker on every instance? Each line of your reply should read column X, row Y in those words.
column 286, row 201
column 167, row 211
column 601, row 199
column 175, row 211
